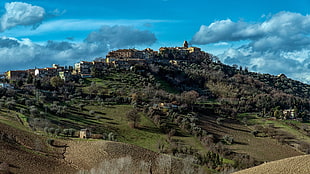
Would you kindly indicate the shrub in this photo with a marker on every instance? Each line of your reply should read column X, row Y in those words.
column 304, row 147
column 219, row 120
column 111, row 136
column 254, row 132
column 92, row 112
column 46, row 129
column 133, row 116
column 71, row 132
column 50, row 142
column 51, row 130
column 228, row 139
column 57, row 132
column 66, row 132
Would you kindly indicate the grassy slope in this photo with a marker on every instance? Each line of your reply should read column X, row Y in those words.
column 109, row 118
column 281, row 125
column 25, row 151
column 261, row 148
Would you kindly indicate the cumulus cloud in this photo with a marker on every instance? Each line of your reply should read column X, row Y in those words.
column 280, row 44
column 284, row 31
column 23, row 54
column 19, row 13
column 121, row 36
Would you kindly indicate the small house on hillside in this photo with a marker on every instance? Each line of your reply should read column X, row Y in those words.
column 85, row 133
column 289, row 113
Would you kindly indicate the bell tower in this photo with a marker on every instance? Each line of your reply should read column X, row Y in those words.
column 185, row 44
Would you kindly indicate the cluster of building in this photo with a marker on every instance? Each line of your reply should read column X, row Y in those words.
column 55, row 70
column 185, row 52
column 122, row 58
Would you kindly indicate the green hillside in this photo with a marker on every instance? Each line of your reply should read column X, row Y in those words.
column 218, row 117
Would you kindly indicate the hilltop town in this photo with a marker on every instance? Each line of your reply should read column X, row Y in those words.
column 180, row 101
column 121, row 59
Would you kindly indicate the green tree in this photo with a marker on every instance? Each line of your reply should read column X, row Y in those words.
column 277, row 113
column 29, row 79
column 57, row 132
column 56, row 82
column 66, row 132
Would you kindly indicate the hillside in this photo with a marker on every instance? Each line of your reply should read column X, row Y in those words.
column 299, row 164
column 113, row 157
column 214, row 117
column 25, row 152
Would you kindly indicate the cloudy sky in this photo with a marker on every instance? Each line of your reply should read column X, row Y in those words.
column 267, row 36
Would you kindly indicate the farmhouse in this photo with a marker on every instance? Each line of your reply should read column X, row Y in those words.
column 85, row 133
column 289, row 113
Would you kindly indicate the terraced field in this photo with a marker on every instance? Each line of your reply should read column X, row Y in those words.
column 260, row 148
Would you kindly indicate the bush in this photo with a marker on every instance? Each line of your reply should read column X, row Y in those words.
column 219, row 120
column 111, row 137
column 57, row 132
column 255, row 133
column 133, row 116
column 71, row 132
column 51, row 130
column 66, row 132
column 228, row 139
column 50, row 142
column 304, row 147
column 243, row 161
column 46, row 129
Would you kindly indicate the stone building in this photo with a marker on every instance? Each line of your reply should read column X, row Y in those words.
column 85, row 133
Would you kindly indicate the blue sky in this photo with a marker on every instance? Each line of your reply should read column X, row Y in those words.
column 267, row 36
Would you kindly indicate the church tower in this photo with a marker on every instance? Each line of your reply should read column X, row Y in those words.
column 185, row 44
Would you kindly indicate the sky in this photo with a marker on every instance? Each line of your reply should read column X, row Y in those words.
column 266, row 36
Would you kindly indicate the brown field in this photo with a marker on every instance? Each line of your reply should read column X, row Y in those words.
column 114, row 157
column 26, row 152
column 293, row 165
column 22, row 151
column 261, row 148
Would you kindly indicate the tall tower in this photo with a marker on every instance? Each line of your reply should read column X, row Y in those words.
column 185, row 44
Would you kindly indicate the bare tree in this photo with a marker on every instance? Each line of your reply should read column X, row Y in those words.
column 133, row 116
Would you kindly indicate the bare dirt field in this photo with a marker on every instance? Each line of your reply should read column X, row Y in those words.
column 293, row 165
column 25, row 152
column 22, row 151
column 113, row 157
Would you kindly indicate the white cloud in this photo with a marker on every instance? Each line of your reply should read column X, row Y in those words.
column 221, row 44
column 121, row 36
column 280, row 44
column 285, row 31
column 19, row 13
column 293, row 64
column 77, row 25
column 23, row 54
